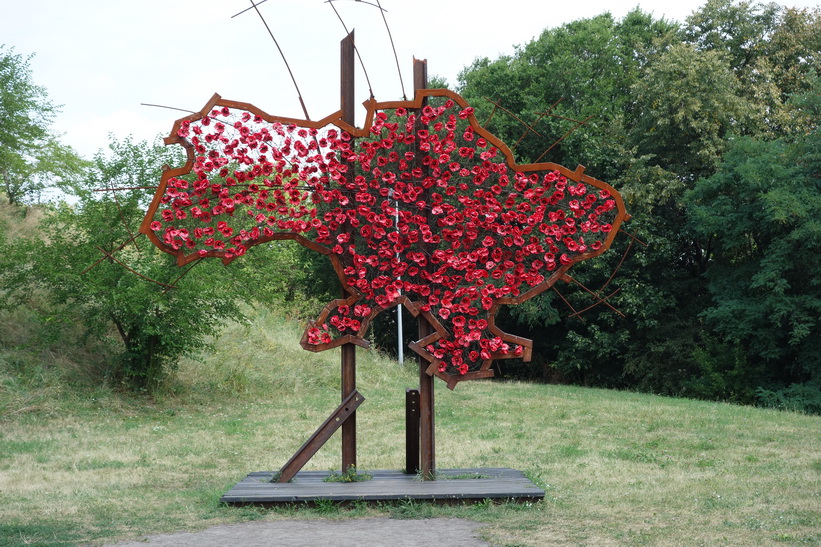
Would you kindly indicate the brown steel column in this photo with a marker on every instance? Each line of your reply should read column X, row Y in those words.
column 426, row 407
column 348, row 350
column 411, row 431
column 427, row 445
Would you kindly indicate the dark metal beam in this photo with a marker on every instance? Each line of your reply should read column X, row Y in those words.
column 340, row 416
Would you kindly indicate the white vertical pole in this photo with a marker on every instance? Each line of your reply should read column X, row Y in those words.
column 400, row 349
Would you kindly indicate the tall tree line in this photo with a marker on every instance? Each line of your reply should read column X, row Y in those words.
column 708, row 128
column 710, row 131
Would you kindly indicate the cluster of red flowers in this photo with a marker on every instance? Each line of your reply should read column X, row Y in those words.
column 423, row 207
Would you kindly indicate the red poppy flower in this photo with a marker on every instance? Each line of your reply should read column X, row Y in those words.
column 452, row 243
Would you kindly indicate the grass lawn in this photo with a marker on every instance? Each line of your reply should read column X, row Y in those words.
column 80, row 467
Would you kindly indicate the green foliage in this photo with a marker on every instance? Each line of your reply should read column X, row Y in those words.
column 352, row 474
column 90, row 273
column 684, row 106
column 723, row 300
column 761, row 209
column 796, row 397
column 31, row 158
column 580, row 70
column 771, row 49
column 723, row 373
column 710, row 132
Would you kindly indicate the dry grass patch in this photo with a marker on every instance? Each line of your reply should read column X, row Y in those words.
column 618, row 468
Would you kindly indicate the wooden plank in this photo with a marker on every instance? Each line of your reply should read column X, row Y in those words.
column 452, row 485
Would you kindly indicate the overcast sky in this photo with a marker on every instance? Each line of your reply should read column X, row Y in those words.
column 100, row 59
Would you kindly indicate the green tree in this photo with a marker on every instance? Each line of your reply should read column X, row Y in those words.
column 31, row 157
column 684, row 107
column 581, row 70
column 760, row 209
column 90, row 272
column 668, row 107
column 770, row 48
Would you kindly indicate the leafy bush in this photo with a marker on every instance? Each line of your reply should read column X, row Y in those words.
column 797, row 397
column 90, row 274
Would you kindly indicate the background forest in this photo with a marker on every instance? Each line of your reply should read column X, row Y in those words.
column 709, row 129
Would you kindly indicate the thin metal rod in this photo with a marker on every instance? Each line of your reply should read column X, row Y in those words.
column 541, row 115
column 578, row 125
column 183, row 274
column 356, row 49
column 122, row 246
column 490, row 117
column 298, row 92
column 634, row 238
column 565, row 117
column 361, row 2
column 616, row 269
column 569, row 305
column 125, row 188
column 393, row 47
column 125, row 224
column 135, row 272
column 517, row 118
column 169, row 107
column 249, row 9
column 596, row 303
column 600, row 300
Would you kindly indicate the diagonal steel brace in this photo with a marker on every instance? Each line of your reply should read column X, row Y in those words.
column 320, row 437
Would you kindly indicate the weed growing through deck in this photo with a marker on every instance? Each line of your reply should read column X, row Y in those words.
column 351, row 475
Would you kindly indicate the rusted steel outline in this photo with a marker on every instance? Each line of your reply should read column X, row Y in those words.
column 335, row 119
column 372, row 106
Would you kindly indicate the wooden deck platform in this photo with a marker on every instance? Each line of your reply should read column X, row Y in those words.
column 452, row 486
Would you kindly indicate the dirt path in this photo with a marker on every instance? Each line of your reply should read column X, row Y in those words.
column 379, row 531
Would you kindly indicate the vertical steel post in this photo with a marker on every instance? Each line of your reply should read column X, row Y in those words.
column 411, row 431
column 347, row 93
column 426, row 399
